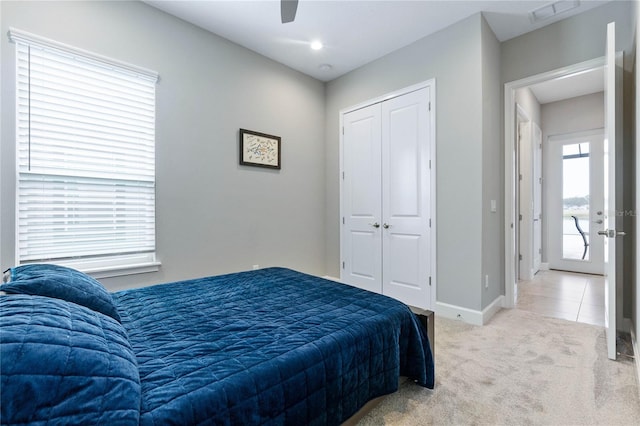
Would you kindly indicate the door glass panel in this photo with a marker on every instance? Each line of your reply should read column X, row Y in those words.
column 575, row 201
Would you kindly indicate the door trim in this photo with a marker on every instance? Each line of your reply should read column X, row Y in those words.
column 431, row 84
column 510, row 89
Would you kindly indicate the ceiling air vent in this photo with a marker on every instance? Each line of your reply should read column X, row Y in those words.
column 552, row 9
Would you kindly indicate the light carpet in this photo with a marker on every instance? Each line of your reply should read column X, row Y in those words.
column 520, row 369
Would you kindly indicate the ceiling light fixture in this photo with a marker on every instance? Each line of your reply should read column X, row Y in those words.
column 316, row 45
column 325, row 67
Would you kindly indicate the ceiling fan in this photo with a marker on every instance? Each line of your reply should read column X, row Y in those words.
column 288, row 10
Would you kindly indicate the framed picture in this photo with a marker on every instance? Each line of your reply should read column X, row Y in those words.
column 259, row 149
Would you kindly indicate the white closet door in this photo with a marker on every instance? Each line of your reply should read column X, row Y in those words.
column 362, row 241
column 406, row 198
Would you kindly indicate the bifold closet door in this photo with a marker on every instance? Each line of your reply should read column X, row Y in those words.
column 406, row 198
column 362, row 242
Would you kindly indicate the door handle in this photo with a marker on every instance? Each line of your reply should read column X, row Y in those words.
column 375, row 225
column 612, row 233
column 599, row 221
column 386, row 226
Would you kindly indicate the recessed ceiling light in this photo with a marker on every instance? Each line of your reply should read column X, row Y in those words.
column 325, row 67
column 316, row 45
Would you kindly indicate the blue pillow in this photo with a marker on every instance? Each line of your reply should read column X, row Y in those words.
column 63, row 363
column 62, row 283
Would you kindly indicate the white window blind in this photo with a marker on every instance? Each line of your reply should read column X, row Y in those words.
column 85, row 156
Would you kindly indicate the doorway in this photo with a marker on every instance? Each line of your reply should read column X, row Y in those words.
column 576, row 202
column 512, row 172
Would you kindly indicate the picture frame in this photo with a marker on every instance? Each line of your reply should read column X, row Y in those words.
column 259, row 149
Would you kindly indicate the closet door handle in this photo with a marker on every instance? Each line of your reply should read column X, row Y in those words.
column 375, row 225
column 386, row 226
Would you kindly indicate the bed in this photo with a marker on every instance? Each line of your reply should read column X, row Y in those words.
column 272, row 346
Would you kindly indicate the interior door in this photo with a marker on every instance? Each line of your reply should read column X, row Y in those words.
column 526, row 201
column 406, row 198
column 612, row 89
column 537, row 197
column 362, row 203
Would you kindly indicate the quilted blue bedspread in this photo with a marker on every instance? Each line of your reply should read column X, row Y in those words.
column 272, row 346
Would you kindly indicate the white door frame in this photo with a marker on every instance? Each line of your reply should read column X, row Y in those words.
column 510, row 167
column 431, row 84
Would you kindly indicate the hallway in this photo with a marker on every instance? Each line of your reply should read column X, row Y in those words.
column 566, row 295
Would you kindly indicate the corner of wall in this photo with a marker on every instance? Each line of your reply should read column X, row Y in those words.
column 492, row 269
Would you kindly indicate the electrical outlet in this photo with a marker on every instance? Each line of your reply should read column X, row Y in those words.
column 486, row 281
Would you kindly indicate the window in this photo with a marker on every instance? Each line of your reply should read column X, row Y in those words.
column 85, row 158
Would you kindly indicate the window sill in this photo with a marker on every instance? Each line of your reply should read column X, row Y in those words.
column 119, row 271
column 116, row 267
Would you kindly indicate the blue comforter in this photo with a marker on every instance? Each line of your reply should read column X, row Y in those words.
column 272, row 346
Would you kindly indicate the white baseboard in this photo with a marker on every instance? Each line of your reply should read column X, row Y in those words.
column 492, row 309
column 544, row 266
column 636, row 351
column 467, row 315
column 329, row 277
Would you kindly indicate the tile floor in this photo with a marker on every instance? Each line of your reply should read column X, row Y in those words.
column 566, row 295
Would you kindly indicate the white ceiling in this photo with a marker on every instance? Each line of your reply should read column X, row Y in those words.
column 354, row 32
column 579, row 84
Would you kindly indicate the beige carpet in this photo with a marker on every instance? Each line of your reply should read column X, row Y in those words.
column 520, row 369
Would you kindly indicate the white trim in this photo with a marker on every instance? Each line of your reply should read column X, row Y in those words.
column 428, row 83
column 636, row 349
column 492, row 309
column 431, row 85
column 16, row 35
column 509, row 172
column 571, row 136
column 120, row 271
column 467, row 315
column 115, row 267
column 544, row 266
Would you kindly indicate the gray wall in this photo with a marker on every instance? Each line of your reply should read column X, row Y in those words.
column 213, row 216
column 567, row 42
column 492, row 176
column 573, row 115
column 453, row 57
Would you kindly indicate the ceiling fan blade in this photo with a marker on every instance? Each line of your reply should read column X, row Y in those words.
column 288, row 10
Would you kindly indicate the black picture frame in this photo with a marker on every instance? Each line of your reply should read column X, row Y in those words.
column 259, row 149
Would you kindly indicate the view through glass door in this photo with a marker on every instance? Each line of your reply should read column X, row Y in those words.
column 576, row 202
